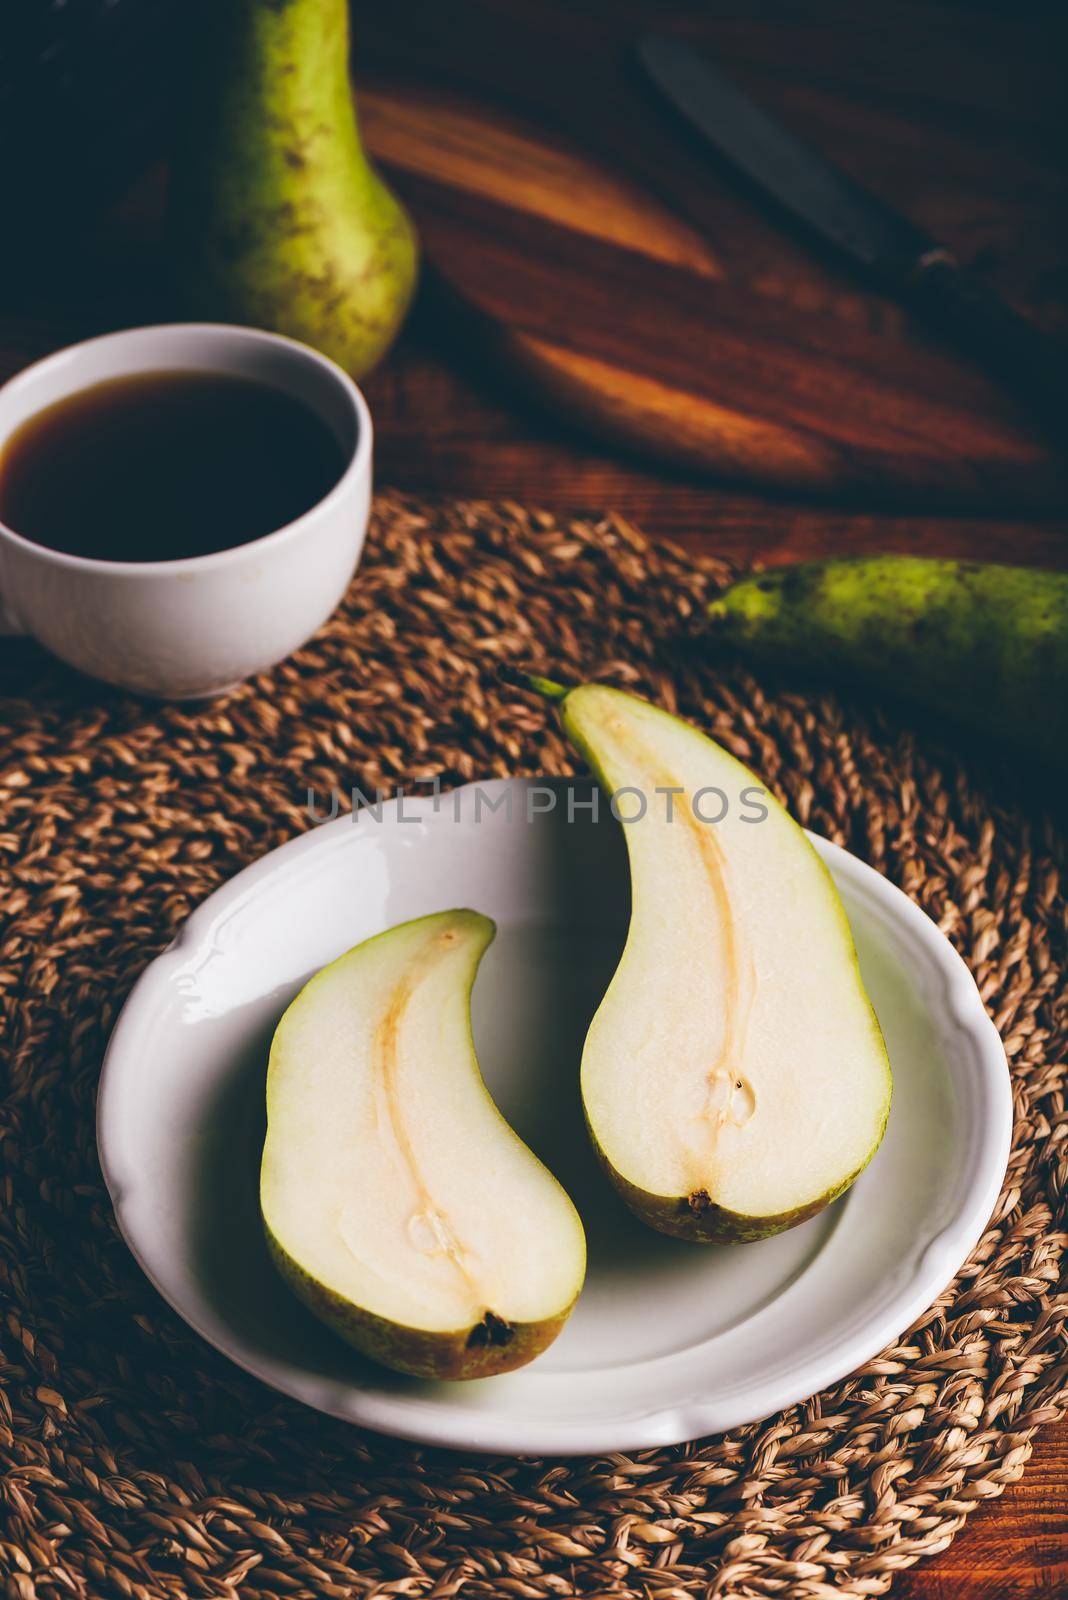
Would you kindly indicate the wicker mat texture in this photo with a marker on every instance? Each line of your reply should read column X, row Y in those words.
column 137, row 1462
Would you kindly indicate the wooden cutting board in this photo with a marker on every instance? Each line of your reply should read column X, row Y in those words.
column 575, row 238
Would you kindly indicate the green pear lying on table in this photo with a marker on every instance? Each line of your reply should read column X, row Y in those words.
column 398, row 1203
column 735, row 1078
column 987, row 645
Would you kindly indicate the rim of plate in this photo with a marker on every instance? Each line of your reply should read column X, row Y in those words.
column 443, row 1422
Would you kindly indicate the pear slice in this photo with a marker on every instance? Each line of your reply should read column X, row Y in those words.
column 735, row 1078
column 398, row 1203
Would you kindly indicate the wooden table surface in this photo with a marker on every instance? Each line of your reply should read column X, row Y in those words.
column 444, row 424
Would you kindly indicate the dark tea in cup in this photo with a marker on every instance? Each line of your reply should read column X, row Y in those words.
column 161, row 466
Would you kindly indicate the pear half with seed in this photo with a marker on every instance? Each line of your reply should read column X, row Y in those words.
column 398, row 1203
column 735, row 1078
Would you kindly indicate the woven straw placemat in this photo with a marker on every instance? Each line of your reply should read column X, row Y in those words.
column 137, row 1462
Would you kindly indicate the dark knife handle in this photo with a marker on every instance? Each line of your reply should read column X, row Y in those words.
column 980, row 322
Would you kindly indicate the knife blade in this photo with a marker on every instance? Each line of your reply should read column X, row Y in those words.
column 897, row 254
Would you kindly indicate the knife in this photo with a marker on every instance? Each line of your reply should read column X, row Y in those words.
column 899, row 256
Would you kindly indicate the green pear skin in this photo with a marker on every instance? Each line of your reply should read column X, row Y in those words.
column 277, row 218
column 984, row 644
column 442, row 1357
column 679, row 1218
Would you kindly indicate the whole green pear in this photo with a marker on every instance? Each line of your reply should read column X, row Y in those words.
column 277, row 218
column 986, row 645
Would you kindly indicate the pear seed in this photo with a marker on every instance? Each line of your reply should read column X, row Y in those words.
column 743, row 1102
column 720, row 1091
column 431, row 1236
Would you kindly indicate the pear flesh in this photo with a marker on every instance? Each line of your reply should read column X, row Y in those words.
column 735, row 1078
column 398, row 1203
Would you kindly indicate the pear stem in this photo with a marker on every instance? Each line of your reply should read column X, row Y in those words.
column 548, row 688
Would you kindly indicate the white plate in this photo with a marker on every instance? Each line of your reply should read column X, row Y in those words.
column 669, row 1340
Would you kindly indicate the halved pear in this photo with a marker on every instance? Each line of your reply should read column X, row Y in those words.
column 398, row 1203
column 735, row 1078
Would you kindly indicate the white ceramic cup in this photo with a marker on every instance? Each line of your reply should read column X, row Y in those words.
column 191, row 628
